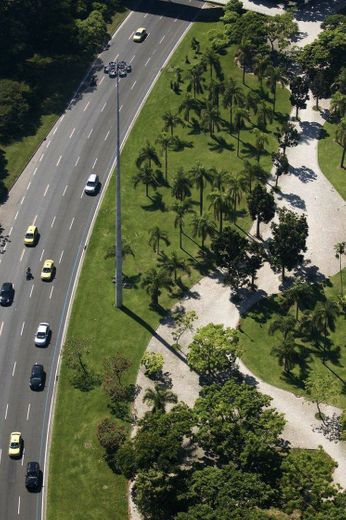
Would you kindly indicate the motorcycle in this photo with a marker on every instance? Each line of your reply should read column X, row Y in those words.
column 28, row 273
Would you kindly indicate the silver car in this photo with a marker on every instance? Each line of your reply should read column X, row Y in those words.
column 42, row 334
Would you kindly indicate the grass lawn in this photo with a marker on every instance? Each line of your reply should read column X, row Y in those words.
column 76, row 461
column 55, row 81
column 257, row 345
column 329, row 157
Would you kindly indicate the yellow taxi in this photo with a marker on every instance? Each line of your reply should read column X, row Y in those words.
column 48, row 270
column 15, row 446
column 31, row 235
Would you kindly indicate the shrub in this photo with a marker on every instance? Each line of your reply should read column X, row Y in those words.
column 153, row 363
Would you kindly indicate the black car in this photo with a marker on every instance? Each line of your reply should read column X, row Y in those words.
column 37, row 377
column 32, row 476
column 129, row 67
column 122, row 73
column 112, row 73
column 6, row 293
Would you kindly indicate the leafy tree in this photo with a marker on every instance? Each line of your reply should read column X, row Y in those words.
column 243, row 55
column 171, row 121
column 261, row 206
column 236, row 423
column 153, row 363
column 181, row 185
column 154, row 493
column 307, row 481
column 254, row 261
column 319, row 86
column 110, row 435
column 14, row 108
column 195, row 45
column 322, row 388
column 280, row 29
column 233, row 96
column 297, row 295
column 281, row 164
column 288, row 136
column 203, row 227
column 183, row 322
column 338, row 105
column 172, row 263
column 200, row 176
column 340, row 137
column 75, row 351
column 92, row 32
column 229, row 248
column 288, row 241
column 148, row 156
column 261, row 139
column 158, row 397
column 156, row 235
column 214, row 349
column 299, row 93
column 146, row 176
column 164, row 141
column 114, row 385
column 153, row 281
column 181, row 209
column 340, row 251
column 286, row 353
column 219, row 201
column 241, row 115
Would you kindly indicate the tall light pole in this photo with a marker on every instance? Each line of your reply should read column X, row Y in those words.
column 119, row 255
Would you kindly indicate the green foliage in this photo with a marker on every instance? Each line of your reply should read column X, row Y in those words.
column 91, row 32
column 229, row 248
column 153, row 363
column 261, row 206
column 214, row 349
column 110, row 435
column 183, row 322
column 158, row 397
column 322, row 389
column 14, row 108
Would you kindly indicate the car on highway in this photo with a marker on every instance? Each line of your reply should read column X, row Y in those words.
column 6, row 293
column 112, row 72
column 42, row 334
column 32, row 476
column 106, row 69
column 140, row 34
column 122, row 73
column 129, row 67
column 48, row 270
column 16, row 445
column 92, row 184
column 31, row 236
column 37, row 377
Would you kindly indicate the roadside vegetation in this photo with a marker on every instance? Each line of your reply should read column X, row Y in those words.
column 188, row 175
column 44, row 54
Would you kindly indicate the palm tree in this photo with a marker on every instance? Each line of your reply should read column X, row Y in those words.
column 147, row 177
column 219, row 201
column 153, row 281
column 297, row 295
column 241, row 115
column 148, row 156
column 286, row 353
column 338, row 105
column 155, row 236
column 264, row 115
column 181, row 185
column 260, row 66
column 275, row 76
column 164, row 141
column 189, row 104
column 210, row 117
column 324, row 316
column 340, row 250
column 233, row 95
column 215, row 88
column 252, row 101
column 195, row 78
column 171, row 121
column 172, row 263
column 199, row 177
column 220, row 178
column 203, row 227
column 340, row 137
column 181, row 209
column 126, row 250
column 237, row 186
column 254, row 171
column 260, row 140
column 243, row 54
column 283, row 324
column 211, row 59
column 158, row 398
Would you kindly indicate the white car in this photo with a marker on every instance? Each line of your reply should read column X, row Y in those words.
column 42, row 334
column 92, row 184
column 140, row 34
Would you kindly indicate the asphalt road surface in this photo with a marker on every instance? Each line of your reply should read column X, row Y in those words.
column 50, row 194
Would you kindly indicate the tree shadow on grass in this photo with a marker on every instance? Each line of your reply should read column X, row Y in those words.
column 220, row 145
column 157, row 203
column 265, row 309
column 152, row 331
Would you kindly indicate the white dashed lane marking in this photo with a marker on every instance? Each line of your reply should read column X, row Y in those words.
column 91, row 131
column 1, row 327
column 63, row 193
column 146, row 63
column 93, row 166
column 28, row 412
column 6, row 411
column 28, row 186
column 45, row 192
column 41, row 157
column 34, row 172
column 15, row 218
column 86, row 106
column 52, row 224
column 62, row 254
column 133, row 84
column 14, row 368
column 59, row 160
column 21, row 256
column 32, row 288
column 104, row 106
column 41, row 255
column 51, row 292
column 72, row 221
column 23, row 325
column 77, row 161
column 107, row 135
column 163, row 37
column 73, row 131
column 34, row 223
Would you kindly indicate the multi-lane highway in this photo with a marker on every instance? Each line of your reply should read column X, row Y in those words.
column 50, row 194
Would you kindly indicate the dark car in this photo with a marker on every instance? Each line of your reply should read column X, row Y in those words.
column 129, row 67
column 122, row 73
column 32, row 476
column 6, row 293
column 37, row 377
column 112, row 73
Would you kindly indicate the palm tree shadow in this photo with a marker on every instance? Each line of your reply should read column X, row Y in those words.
column 220, row 145
column 157, row 204
column 153, row 332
